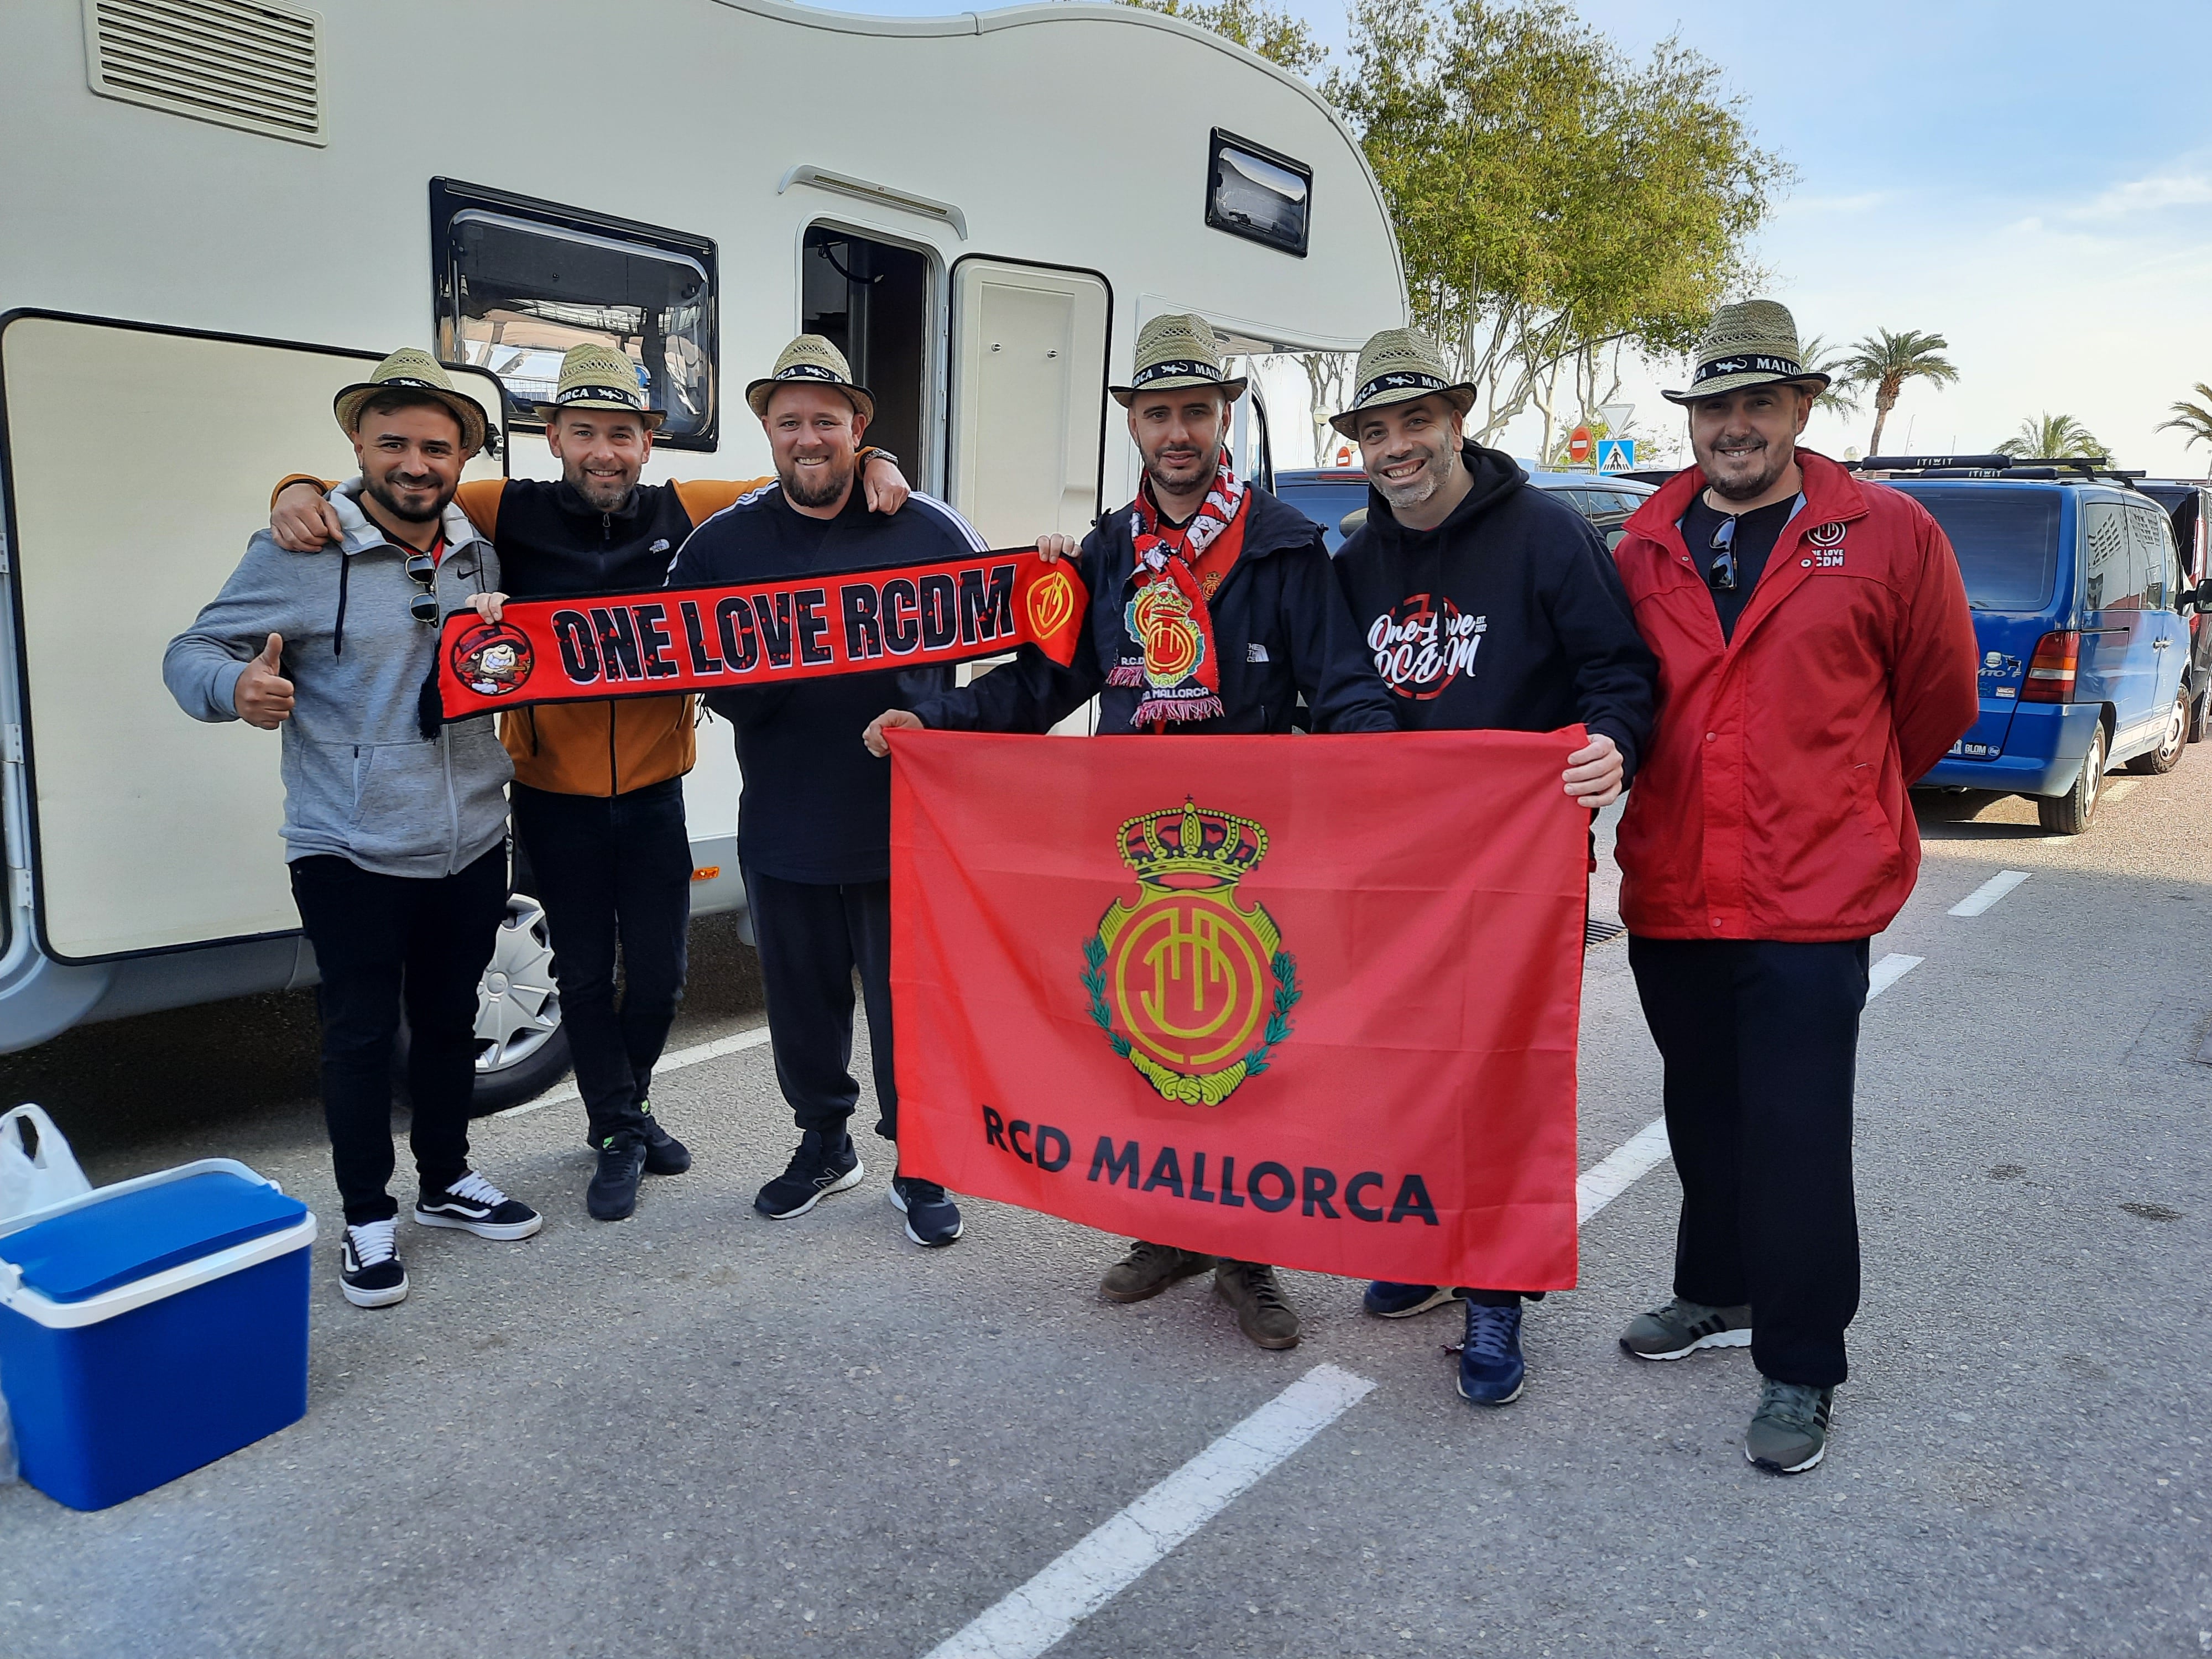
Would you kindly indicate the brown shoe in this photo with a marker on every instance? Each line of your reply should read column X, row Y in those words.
column 1261, row 1312
column 1148, row 1269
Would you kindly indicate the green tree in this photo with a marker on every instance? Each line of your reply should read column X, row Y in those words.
column 1885, row 362
column 1552, row 199
column 1841, row 396
column 2195, row 419
column 2054, row 436
column 1274, row 34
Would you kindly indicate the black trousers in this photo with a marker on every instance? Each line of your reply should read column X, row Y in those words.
column 1760, row 1041
column 813, row 938
column 612, row 870
column 383, row 941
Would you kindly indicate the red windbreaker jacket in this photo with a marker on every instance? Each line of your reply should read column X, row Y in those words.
column 1771, row 803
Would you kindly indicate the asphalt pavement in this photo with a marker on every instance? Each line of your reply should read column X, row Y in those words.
column 699, row 1432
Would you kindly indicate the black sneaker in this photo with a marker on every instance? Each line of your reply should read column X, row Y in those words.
column 613, row 1192
column 475, row 1206
column 369, row 1265
column 664, row 1153
column 932, row 1220
column 817, row 1169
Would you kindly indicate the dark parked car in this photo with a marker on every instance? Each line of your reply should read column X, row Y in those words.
column 1331, row 496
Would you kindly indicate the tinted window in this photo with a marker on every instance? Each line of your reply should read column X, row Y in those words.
column 2154, row 551
column 519, row 281
column 2006, row 541
column 1257, row 192
column 2105, row 556
column 1325, row 504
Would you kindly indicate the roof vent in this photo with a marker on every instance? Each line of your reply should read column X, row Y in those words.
column 246, row 64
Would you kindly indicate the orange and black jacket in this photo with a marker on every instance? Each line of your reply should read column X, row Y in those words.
column 554, row 544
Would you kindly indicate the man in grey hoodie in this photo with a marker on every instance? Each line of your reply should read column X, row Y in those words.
column 395, row 826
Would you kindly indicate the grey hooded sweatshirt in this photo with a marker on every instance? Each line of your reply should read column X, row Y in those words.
column 360, row 781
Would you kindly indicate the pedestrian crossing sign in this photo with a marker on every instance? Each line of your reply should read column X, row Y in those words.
column 1615, row 454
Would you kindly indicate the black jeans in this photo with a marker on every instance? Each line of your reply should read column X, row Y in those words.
column 1760, row 1041
column 380, row 941
column 812, row 937
column 613, row 869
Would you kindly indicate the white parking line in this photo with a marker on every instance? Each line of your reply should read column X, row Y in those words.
column 1989, row 892
column 1107, row 1561
column 1887, row 972
column 1619, row 1169
column 676, row 1062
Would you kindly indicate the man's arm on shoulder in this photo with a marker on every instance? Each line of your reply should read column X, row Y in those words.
column 1934, row 690
column 1327, row 657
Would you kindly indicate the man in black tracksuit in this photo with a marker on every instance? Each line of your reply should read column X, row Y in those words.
column 814, row 822
column 1278, row 629
column 1486, row 604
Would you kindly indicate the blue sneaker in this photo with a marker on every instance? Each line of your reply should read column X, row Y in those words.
column 1490, row 1369
column 1385, row 1300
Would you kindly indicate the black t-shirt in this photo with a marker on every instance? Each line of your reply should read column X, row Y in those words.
column 1756, row 532
column 817, row 805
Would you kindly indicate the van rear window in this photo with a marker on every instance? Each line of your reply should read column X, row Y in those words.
column 2006, row 541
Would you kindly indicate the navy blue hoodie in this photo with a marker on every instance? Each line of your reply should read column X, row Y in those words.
column 1509, row 615
column 1279, row 623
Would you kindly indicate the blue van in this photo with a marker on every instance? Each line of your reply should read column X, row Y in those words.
column 2080, row 609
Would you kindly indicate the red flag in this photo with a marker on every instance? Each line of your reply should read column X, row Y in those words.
column 658, row 641
column 1306, row 1000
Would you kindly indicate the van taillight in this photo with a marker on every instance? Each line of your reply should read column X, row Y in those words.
column 2051, row 670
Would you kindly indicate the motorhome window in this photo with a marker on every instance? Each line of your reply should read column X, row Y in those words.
column 871, row 299
column 2007, row 542
column 1258, row 193
column 519, row 283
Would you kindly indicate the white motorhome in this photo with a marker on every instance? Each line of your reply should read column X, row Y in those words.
column 217, row 211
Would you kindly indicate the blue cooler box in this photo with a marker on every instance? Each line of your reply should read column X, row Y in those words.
column 151, row 1327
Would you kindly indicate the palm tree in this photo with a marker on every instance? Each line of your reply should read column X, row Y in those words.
column 1886, row 361
column 1841, row 396
column 2195, row 419
column 2053, row 436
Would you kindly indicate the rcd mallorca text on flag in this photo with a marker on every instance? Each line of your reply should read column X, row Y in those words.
column 1304, row 1001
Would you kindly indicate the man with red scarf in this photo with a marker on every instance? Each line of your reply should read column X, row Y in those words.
column 1212, row 609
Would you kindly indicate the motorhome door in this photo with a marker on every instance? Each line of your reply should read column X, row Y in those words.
column 1028, row 398
column 138, row 463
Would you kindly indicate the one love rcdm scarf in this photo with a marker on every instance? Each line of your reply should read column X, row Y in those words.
column 1169, row 655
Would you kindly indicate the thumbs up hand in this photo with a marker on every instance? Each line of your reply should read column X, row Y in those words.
column 262, row 697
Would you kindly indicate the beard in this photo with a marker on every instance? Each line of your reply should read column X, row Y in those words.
column 822, row 488
column 1751, row 472
column 1413, row 491
column 601, row 493
column 387, row 493
column 1182, row 475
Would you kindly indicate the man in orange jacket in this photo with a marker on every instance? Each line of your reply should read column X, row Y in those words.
column 1816, row 656
column 598, row 787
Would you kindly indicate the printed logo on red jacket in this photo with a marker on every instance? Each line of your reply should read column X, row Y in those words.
column 1423, row 644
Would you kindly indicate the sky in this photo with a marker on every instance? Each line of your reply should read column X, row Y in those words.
column 2031, row 180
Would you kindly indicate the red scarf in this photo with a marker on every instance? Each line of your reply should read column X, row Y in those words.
column 1170, row 655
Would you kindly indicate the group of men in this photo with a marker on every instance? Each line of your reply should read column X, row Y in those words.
column 1771, row 654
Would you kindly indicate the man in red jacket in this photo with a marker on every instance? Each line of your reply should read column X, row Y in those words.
column 1815, row 656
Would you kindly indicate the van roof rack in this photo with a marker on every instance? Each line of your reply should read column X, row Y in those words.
column 2080, row 468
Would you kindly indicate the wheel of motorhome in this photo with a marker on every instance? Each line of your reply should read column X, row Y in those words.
column 521, row 1049
column 169, row 350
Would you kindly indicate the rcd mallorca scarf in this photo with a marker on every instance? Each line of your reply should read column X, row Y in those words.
column 1170, row 654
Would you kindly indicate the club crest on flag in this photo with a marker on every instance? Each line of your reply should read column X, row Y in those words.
column 1193, row 990
column 1052, row 601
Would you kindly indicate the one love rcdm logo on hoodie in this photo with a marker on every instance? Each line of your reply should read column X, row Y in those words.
column 1423, row 643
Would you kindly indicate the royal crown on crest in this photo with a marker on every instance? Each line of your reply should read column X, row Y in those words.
column 1192, row 848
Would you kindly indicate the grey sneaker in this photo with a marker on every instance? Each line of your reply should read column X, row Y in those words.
column 1789, row 1432
column 1148, row 1269
column 1681, row 1327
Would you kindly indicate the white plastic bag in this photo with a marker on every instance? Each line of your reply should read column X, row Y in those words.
column 36, row 1165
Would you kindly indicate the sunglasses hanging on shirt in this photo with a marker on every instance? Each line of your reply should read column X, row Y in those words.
column 422, row 567
column 1721, row 572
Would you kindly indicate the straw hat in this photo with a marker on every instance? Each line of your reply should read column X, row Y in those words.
column 1753, row 343
column 1177, row 350
column 599, row 377
column 410, row 370
column 811, row 357
column 1395, row 367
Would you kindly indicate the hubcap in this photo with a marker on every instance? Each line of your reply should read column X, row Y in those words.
column 518, row 1004
column 2176, row 728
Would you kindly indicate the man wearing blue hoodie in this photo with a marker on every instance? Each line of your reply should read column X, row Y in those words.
column 395, row 826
